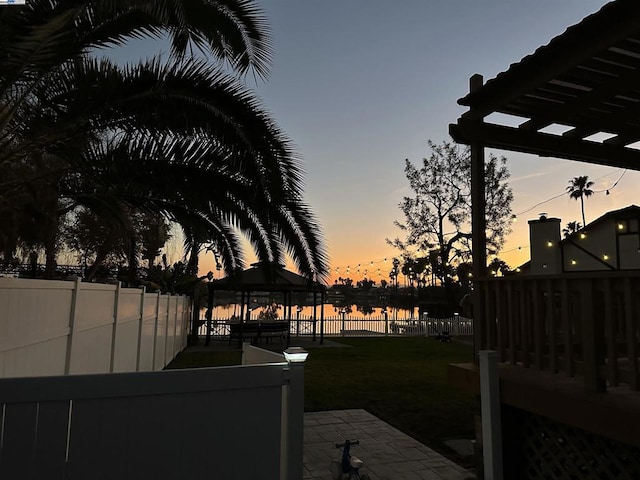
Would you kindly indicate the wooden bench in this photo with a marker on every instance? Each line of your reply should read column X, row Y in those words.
column 255, row 331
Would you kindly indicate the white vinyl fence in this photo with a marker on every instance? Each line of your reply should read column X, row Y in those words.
column 51, row 327
column 230, row 423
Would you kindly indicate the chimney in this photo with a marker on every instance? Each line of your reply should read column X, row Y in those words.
column 544, row 244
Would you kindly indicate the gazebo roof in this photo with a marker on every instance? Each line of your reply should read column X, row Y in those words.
column 586, row 81
column 267, row 277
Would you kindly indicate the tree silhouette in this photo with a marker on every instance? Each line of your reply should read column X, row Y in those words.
column 571, row 228
column 438, row 214
column 578, row 188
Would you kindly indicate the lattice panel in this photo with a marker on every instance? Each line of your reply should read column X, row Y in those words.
column 552, row 450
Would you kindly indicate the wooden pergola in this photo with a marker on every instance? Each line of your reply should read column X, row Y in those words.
column 270, row 278
column 585, row 81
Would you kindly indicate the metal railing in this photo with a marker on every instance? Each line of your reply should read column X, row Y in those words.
column 344, row 325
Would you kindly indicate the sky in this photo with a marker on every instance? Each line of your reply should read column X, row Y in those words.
column 361, row 85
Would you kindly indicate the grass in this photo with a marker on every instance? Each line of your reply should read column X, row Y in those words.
column 401, row 380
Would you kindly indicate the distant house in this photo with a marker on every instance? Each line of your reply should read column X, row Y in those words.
column 612, row 242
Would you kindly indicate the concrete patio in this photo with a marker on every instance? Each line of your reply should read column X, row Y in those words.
column 388, row 453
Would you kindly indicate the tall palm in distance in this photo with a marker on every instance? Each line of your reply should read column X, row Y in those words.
column 183, row 138
column 578, row 189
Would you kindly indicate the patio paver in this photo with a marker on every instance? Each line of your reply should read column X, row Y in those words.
column 388, row 454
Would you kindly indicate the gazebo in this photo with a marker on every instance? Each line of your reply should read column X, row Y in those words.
column 267, row 277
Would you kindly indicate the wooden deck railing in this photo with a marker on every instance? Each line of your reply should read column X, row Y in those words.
column 577, row 324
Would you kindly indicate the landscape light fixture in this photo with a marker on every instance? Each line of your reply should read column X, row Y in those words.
column 295, row 354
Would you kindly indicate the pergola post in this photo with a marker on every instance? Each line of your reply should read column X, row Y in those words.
column 478, row 227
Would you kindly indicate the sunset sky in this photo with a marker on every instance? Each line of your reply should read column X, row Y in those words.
column 360, row 85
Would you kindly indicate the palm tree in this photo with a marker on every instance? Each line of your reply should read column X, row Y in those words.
column 579, row 188
column 571, row 228
column 182, row 139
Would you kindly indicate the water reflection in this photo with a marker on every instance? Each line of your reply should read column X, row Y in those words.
column 306, row 312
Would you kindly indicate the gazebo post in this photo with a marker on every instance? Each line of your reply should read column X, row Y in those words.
column 315, row 317
column 322, row 317
column 242, row 299
column 209, row 313
column 288, row 316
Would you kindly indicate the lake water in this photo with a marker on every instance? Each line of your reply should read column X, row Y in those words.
column 330, row 311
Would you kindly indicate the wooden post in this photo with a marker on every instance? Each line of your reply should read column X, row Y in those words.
column 566, row 328
column 478, row 227
column 610, row 334
column 632, row 351
column 592, row 338
column 552, row 325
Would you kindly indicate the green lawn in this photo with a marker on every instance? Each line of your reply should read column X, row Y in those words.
column 401, row 380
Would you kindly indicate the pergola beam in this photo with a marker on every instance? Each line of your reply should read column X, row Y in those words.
column 582, row 103
column 544, row 144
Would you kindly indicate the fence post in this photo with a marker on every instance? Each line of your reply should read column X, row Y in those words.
column 175, row 328
column 72, row 322
column 155, row 333
column 293, row 442
column 166, row 331
column 140, row 325
column 386, row 323
column 114, row 329
column 490, row 409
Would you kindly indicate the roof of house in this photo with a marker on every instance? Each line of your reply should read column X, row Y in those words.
column 632, row 211
column 585, row 80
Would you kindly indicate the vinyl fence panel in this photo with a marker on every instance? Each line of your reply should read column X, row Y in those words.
column 148, row 334
column 34, row 326
column 223, row 423
column 127, row 331
column 93, row 329
column 60, row 327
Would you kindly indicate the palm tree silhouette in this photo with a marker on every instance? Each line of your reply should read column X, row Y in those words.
column 578, row 188
column 182, row 138
column 571, row 228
